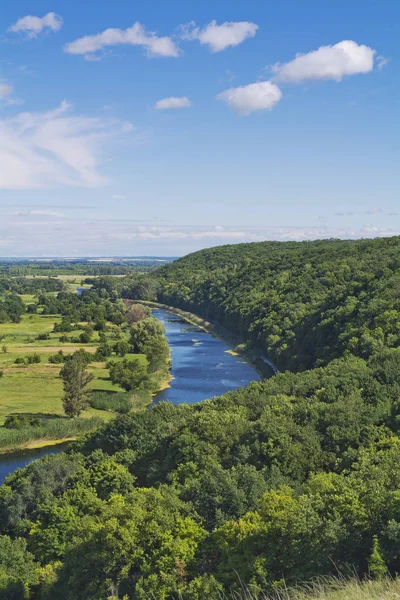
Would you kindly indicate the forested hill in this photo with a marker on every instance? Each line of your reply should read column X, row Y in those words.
column 302, row 303
column 288, row 479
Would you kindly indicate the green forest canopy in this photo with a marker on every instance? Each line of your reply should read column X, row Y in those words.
column 289, row 478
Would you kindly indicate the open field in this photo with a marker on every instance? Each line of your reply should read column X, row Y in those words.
column 37, row 388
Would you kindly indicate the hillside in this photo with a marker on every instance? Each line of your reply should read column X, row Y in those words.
column 288, row 479
column 302, row 303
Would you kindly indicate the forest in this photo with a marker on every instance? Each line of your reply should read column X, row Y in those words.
column 290, row 478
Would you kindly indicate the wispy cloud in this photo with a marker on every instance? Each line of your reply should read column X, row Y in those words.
column 133, row 36
column 6, row 90
column 173, row 102
column 34, row 25
column 382, row 61
column 260, row 96
column 51, row 148
column 219, row 37
column 49, row 233
column 328, row 62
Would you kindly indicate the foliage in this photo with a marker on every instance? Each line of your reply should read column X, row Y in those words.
column 301, row 303
column 76, row 380
column 286, row 480
column 129, row 373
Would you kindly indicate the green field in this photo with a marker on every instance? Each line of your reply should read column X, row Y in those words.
column 37, row 388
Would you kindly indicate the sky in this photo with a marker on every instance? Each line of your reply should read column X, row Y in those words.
column 160, row 128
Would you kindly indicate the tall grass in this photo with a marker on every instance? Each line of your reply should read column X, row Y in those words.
column 48, row 429
column 332, row 588
column 120, row 402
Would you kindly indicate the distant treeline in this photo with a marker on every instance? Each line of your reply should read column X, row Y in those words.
column 78, row 267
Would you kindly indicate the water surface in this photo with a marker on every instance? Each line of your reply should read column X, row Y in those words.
column 20, row 458
column 201, row 368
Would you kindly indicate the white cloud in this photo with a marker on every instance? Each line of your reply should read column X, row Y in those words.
column 118, row 197
column 134, row 36
column 172, row 102
column 218, row 37
column 45, row 149
column 328, row 62
column 251, row 98
column 34, row 25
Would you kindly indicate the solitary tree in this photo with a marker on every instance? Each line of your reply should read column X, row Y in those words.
column 75, row 382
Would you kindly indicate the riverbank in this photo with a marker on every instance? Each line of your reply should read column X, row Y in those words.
column 37, row 444
column 254, row 357
column 49, row 433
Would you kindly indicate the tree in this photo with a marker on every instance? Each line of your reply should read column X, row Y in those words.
column 4, row 349
column 377, row 566
column 75, row 382
column 128, row 373
column 144, row 331
column 136, row 312
column 121, row 348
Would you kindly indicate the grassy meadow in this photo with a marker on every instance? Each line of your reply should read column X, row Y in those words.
column 36, row 389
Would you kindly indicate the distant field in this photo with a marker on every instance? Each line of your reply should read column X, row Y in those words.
column 69, row 277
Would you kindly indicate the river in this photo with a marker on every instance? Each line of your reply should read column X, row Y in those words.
column 202, row 367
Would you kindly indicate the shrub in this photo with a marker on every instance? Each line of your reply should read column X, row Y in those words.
column 20, row 421
column 19, row 361
column 33, row 359
column 58, row 358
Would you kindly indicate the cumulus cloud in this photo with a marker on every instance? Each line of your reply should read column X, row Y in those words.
column 134, row 36
column 44, row 149
column 172, row 102
column 328, row 62
column 35, row 25
column 218, row 37
column 263, row 95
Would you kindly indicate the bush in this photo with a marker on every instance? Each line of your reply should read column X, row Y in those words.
column 58, row 358
column 33, row 359
column 43, row 336
column 19, row 361
column 20, row 421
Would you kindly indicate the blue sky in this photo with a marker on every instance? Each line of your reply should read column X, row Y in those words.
column 159, row 128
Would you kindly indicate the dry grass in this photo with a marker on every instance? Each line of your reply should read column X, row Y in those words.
column 338, row 588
